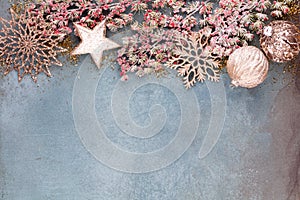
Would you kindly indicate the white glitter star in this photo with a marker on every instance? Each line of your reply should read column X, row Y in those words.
column 93, row 42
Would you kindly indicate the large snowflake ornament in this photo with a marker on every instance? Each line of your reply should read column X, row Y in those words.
column 193, row 61
column 28, row 46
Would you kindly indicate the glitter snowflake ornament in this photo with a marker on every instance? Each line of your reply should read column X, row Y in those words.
column 27, row 46
column 193, row 61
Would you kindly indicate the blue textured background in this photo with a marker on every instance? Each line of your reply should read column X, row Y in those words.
column 42, row 156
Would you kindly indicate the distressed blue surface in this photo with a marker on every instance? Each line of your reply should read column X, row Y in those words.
column 43, row 157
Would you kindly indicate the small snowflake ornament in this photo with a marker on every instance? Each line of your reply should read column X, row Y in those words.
column 193, row 61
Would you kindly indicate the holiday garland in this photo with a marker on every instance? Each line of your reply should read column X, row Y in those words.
column 192, row 37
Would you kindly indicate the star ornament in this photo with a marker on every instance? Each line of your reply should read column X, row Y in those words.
column 93, row 42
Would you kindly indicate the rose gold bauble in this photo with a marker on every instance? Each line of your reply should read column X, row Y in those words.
column 280, row 41
column 247, row 67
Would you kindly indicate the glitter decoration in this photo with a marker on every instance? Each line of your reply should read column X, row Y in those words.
column 27, row 46
column 247, row 67
column 69, row 45
column 280, row 41
column 192, row 61
column 93, row 42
